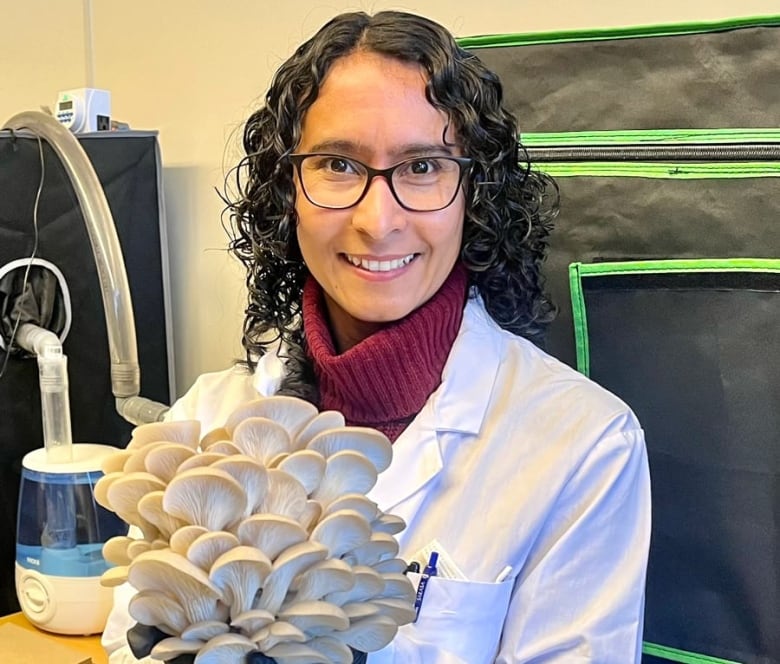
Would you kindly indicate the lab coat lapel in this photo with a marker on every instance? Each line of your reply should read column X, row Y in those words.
column 416, row 460
column 457, row 408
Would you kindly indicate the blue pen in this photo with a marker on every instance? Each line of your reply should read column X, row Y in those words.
column 429, row 571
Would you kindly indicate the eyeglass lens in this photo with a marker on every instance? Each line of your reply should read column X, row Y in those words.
column 422, row 184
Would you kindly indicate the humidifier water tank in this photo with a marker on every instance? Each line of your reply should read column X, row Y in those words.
column 60, row 535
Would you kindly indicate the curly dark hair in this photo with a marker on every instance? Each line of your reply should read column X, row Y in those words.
column 509, row 208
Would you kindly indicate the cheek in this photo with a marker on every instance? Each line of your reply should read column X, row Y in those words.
column 449, row 235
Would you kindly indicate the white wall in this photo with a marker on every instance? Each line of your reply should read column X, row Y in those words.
column 193, row 70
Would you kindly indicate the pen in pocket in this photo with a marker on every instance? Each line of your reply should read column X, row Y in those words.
column 429, row 571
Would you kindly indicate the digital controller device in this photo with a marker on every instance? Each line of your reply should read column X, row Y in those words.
column 84, row 110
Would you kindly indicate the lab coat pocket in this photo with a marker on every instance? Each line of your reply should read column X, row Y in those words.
column 460, row 621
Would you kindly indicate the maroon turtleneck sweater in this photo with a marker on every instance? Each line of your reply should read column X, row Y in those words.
column 384, row 381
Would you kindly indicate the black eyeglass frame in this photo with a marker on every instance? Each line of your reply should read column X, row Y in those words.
column 464, row 164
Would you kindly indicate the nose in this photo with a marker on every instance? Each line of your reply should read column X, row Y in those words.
column 378, row 214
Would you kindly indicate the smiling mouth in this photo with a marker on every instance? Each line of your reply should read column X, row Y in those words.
column 380, row 266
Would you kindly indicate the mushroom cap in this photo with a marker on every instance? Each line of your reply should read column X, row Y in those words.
column 200, row 460
column 315, row 618
column 368, row 584
column 335, row 651
column 307, row 466
column 164, row 460
column 286, row 567
column 401, row 611
column 329, row 576
column 136, row 462
column 124, row 494
column 285, row 496
column 115, row 550
column 125, row 491
column 400, row 586
column 114, row 576
column 277, row 632
column 373, row 444
column 250, row 474
column 311, row 515
column 296, row 653
column 345, row 472
column 150, row 507
column 342, row 532
column 180, row 540
column 226, row 447
column 173, row 646
column 225, row 648
column 206, row 497
column 220, row 433
column 115, row 462
column 178, row 431
column 171, row 573
column 326, row 419
column 252, row 621
column 271, row 533
column 137, row 547
column 209, row 546
column 240, row 573
column 205, row 630
column 158, row 609
column 292, row 413
column 100, row 490
column 261, row 438
column 369, row 634
column 388, row 523
column 397, row 565
column 359, row 610
column 381, row 546
column 354, row 501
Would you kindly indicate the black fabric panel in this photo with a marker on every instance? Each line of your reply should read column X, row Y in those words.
column 126, row 166
column 712, row 80
column 616, row 219
column 702, row 371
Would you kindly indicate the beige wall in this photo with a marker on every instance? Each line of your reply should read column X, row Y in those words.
column 193, row 69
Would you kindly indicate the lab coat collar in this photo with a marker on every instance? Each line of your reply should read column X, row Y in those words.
column 459, row 405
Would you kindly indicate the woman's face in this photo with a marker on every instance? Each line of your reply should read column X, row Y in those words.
column 376, row 261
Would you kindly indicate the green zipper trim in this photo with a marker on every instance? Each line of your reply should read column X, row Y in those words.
column 652, row 136
column 578, row 271
column 679, row 265
column 683, row 656
column 579, row 318
column 628, row 32
column 678, row 171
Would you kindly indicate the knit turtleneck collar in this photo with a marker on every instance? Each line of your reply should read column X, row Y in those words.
column 385, row 380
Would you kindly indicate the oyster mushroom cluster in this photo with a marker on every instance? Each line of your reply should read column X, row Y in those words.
column 258, row 536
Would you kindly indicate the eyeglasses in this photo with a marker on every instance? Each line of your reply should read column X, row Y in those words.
column 421, row 184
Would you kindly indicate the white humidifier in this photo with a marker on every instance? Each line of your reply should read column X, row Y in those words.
column 60, row 535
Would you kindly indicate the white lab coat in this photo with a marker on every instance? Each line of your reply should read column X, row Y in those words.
column 515, row 460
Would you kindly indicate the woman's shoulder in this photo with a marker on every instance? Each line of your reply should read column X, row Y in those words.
column 529, row 377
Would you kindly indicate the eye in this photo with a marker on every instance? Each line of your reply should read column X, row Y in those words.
column 337, row 165
column 327, row 164
column 423, row 166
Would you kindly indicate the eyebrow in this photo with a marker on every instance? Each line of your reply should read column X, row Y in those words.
column 351, row 148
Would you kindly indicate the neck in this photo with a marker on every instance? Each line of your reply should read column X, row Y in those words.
column 347, row 331
column 384, row 380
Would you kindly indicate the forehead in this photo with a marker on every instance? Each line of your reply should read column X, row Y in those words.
column 373, row 106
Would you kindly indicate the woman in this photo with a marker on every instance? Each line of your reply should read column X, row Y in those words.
column 393, row 248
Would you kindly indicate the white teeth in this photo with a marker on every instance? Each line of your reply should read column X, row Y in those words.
column 380, row 266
